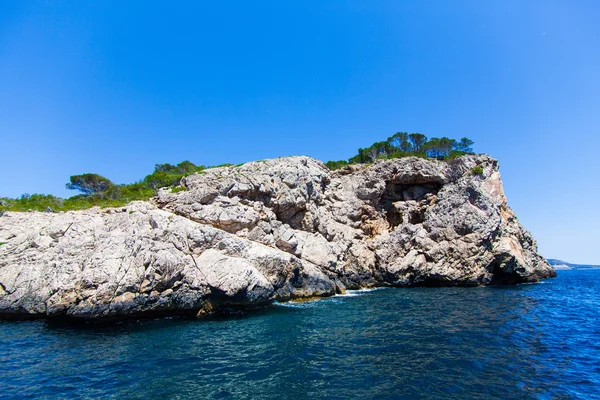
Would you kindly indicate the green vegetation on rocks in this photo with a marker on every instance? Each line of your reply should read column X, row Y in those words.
column 478, row 170
column 403, row 144
column 97, row 190
column 100, row 191
column 179, row 189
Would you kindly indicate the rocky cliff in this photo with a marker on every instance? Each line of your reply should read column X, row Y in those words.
column 278, row 229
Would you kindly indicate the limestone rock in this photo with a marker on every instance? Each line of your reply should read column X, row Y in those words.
column 269, row 230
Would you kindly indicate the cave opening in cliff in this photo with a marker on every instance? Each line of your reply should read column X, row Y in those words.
column 401, row 202
column 501, row 275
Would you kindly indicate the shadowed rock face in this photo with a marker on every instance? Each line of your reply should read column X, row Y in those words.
column 278, row 229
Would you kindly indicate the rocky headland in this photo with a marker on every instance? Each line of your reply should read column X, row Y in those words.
column 279, row 229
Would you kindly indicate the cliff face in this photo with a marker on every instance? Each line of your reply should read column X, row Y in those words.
column 270, row 230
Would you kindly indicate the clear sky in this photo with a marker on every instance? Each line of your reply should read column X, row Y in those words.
column 114, row 87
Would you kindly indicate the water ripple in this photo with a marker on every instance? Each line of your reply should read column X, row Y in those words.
column 530, row 341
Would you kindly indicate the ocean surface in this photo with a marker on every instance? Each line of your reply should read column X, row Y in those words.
column 538, row 341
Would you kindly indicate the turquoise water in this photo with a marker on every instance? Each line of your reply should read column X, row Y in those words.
column 538, row 341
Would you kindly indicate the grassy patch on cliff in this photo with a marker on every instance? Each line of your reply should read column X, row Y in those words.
column 100, row 191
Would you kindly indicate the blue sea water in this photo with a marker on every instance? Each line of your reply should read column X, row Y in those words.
column 538, row 341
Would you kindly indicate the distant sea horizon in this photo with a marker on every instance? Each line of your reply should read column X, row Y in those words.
column 564, row 265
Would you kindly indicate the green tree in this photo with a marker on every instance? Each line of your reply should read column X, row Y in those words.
column 432, row 148
column 169, row 174
column 160, row 178
column 187, row 167
column 399, row 142
column 446, row 146
column 439, row 148
column 465, row 145
column 167, row 168
column 378, row 149
column 360, row 158
column 89, row 183
column 184, row 167
column 417, row 141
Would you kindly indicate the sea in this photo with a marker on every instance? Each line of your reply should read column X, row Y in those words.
column 533, row 341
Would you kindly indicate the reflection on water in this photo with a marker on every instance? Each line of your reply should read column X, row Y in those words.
column 530, row 341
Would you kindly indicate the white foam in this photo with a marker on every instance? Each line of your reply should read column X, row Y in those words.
column 358, row 292
column 298, row 304
column 333, row 299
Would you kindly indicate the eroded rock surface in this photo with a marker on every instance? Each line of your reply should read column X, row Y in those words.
column 278, row 229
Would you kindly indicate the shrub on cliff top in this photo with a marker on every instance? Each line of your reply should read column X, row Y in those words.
column 170, row 175
column 333, row 165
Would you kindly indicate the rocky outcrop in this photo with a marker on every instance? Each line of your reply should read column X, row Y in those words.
column 278, row 229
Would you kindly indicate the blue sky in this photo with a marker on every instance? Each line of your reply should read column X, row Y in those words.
column 115, row 87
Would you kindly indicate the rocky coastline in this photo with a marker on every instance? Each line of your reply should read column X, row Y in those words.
column 273, row 230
